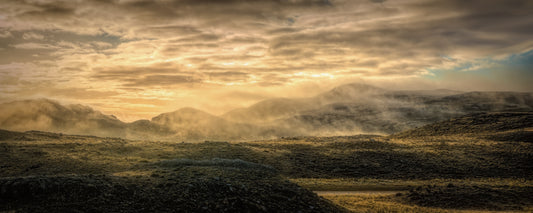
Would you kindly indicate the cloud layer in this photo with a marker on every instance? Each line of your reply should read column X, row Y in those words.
column 142, row 57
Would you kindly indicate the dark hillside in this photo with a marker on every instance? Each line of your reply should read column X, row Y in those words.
column 494, row 122
column 180, row 185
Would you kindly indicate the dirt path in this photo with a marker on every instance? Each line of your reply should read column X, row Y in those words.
column 356, row 192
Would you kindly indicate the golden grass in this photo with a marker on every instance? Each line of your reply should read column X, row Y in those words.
column 385, row 204
column 366, row 184
column 78, row 154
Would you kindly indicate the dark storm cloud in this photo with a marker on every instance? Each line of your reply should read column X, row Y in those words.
column 54, row 9
column 172, row 30
column 177, row 50
column 510, row 17
column 118, row 73
column 368, row 63
column 198, row 38
column 160, row 80
column 233, row 2
column 246, row 40
column 230, row 76
column 220, row 11
column 283, row 30
column 166, row 75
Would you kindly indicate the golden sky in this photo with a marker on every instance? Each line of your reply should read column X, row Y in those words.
column 138, row 58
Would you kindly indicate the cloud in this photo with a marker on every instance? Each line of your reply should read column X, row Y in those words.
column 5, row 34
column 511, row 73
column 32, row 35
column 170, row 48
column 32, row 45
column 161, row 80
column 121, row 71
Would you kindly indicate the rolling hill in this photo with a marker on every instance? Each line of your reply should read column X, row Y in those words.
column 499, row 126
column 193, row 124
column 359, row 108
column 345, row 110
column 444, row 165
column 49, row 115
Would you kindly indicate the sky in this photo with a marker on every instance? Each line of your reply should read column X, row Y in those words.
column 136, row 59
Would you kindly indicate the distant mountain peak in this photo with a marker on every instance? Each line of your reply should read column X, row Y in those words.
column 185, row 111
column 360, row 86
column 185, row 115
column 351, row 91
column 189, row 110
column 50, row 115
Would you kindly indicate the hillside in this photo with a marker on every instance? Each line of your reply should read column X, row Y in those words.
column 497, row 124
column 405, row 155
column 183, row 124
column 218, row 185
column 269, row 110
column 345, row 110
column 49, row 115
column 359, row 108
column 193, row 124
column 460, row 165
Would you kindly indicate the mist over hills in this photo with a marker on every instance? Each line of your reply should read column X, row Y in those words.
column 360, row 108
column 190, row 123
column 49, row 115
column 345, row 110
column 497, row 126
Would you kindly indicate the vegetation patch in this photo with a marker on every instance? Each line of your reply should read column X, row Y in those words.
column 218, row 162
column 454, row 196
column 489, row 166
column 186, row 189
column 474, row 124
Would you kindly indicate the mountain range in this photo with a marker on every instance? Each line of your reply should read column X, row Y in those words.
column 345, row 110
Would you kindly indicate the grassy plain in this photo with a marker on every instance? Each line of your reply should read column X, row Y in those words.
column 477, row 170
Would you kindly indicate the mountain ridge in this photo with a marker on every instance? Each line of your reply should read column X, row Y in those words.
column 345, row 110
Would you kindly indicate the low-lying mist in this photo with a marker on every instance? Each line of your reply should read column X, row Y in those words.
column 345, row 110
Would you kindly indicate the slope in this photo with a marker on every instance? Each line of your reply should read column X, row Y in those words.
column 49, row 115
column 359, row 108
column 193, row 124
column 494, row 125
